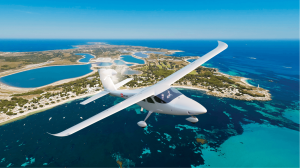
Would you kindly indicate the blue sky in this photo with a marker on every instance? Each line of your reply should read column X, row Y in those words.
column 155, row 19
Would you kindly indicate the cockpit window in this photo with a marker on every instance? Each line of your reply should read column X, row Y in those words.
column 168, row 95
column 149, row 100
column 158, row 100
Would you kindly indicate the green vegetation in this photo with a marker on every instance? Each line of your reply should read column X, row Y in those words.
column 6, row 67
column 11, row 113
column 201, row 76
column 5, row 105
column 39, row 57
column 29, row 93
column 162, row 73
column 107, row 52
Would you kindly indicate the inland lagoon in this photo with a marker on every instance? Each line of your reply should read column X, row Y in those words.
column 86, row 58
column 141, row 54
column 129, row 58
column 103, row 63
column 119, row 62
column 46, row 75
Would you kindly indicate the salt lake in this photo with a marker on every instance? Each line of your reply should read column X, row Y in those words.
column 129, row 58
column 86, row 58
column 46, row 75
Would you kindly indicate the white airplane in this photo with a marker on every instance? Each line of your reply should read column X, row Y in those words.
column 159, row 98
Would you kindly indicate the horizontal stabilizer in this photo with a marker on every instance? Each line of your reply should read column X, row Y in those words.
column 103, row 93
column 123, row 82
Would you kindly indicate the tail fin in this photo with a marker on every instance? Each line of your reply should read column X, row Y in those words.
column 107, row 82
column 105, row 77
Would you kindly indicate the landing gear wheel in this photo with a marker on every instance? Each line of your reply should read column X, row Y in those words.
column 142, row 124
column 192, row 119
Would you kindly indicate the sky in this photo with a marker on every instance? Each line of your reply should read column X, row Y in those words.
column 155, row 19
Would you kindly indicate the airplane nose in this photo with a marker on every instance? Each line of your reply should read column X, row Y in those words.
column 197, row 109
column 203, row 109
column 190, row 106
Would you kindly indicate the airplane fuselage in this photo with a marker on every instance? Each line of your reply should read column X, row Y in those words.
column 180, row 105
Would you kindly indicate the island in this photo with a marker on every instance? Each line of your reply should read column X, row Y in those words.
column 157, row 64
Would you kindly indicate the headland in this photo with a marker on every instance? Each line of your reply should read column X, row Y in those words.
column 16, row 103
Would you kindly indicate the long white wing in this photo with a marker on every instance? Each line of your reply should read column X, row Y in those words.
column 189, row 68
column 97, row 96
column 112, row 110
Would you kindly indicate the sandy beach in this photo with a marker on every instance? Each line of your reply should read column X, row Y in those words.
column 4, row 119
column 188, row 87
column 244, row 80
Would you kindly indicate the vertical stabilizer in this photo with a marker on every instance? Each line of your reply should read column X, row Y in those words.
column 105, row 77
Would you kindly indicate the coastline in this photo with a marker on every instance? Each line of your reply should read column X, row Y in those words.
column 244, row 80
column 7, row 119
column 188, row 87
column 19, row 116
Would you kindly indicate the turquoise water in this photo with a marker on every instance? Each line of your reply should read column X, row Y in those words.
column 258, row 142
column 129, row 58
column 129, row 64
column 119, row 62
column 44, row 76
column 191, row 60
column 239, row 133
column 235, row 138
column 104, row 64
column 86, row 58
column 141, row 54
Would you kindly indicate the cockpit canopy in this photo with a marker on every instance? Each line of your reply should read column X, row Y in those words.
column 167, row 95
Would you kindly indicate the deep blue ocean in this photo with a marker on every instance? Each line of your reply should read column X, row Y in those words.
column 239, row 133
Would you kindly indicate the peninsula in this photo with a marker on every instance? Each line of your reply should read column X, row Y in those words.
column 16, row 102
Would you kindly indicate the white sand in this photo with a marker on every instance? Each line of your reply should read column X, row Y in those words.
column 6, row 119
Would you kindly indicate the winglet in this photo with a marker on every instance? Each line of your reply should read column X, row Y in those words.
column 59, row 135
column 222, row 45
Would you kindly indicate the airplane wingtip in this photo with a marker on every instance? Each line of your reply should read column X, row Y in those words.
column 57, row 135
column 222, row 44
